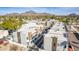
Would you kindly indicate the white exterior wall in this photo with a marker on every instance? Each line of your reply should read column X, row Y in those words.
column 15, row 39
column 48, row 43
column 61, row 42
column 23, row 38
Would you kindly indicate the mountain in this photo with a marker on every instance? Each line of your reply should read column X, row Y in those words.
column 28, row 13
column 73, row 14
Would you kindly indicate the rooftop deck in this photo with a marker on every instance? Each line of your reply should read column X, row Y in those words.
column 73, row 40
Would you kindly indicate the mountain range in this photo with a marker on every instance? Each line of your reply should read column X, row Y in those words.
column 33, row 13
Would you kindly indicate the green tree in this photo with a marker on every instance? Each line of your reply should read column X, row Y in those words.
column 11, row 24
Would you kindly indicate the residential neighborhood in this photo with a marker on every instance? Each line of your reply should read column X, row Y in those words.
column 31, row 31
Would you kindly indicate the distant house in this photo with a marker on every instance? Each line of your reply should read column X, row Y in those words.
column 3, row 33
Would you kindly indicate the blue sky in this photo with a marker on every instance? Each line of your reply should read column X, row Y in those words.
column 52, row 10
